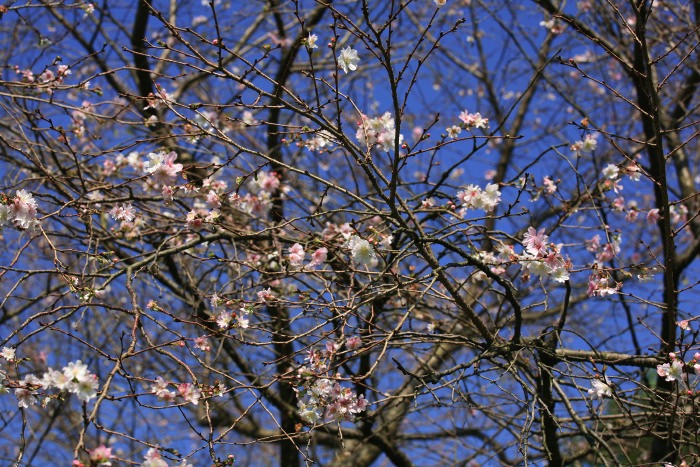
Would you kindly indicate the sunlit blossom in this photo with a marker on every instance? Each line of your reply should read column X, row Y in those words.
column 348, row 59
column 600, row 388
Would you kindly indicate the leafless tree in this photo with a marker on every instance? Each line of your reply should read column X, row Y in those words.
column 426, row 232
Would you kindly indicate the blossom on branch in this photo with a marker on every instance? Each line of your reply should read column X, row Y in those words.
column 163, row 167
column 600, row 389
column 473, row 197
column 348, row 59
column 671, row 371
column 20, row 210
column 362, row 251
column 379, row 131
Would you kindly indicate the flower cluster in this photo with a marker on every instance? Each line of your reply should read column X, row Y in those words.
column 297, row 255
column 473, row 120
column 685, row 373
column 261, row 190
column 318, row 393
column 379, row 131
column 19, row 211
column 588, row 144
column 672, row 371
column 163, row 167
column 74, row 378
column 188, row 391
column 225, row 318
column 473, row 197
column 599, row 284
column 605, row 253
column 676, row 369
column 540, row 257
column 101, row 455
column 123, row 212
column 543, row 258
column 554, row 25
column 158, row 99
column 321, row 142
column 47, row 80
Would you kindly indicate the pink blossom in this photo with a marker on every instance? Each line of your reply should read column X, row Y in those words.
column 194, row 219
column 319, row 257
column 163, row 167
column 213, row 200
column 332, row 347
column 593, row 244
column 653, row 216
column 679, row 213
column 265, row 295
column 160, row 389
column 549, row 185
column 190, row 393
column 473, row 120
column 380, row 131
column 296, row 255
column 8, row 353
column 153, row 459
column 469, row 196
column 224, row 319
column 101, row 454
column 598, row 285
column 23, row 210
column 609, row 251
column 267, row 182
column 600, row 388
column 353, row 342
column 202, row 343
column 123, row 212
column 672, row 371
column 25, row 397
column 632, row 215
column 535, row 242
column 168, row 194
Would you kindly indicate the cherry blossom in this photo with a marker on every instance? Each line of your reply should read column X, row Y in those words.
column 600, row 389
column 101, row 455
column 473, row 197
column 535, row 242
column 380, row 131
column 296, row 255
column 587, row 145
column 8, row 353
column 153, row 459
column 473, row 120
column 348, row 59
column 190, row 393
column 123, row 212
column 454, row 131
column 362, row 251
column 20, row 211
column 311, row 41
column 671, row 371
column 163, row 167
column 318, row 257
